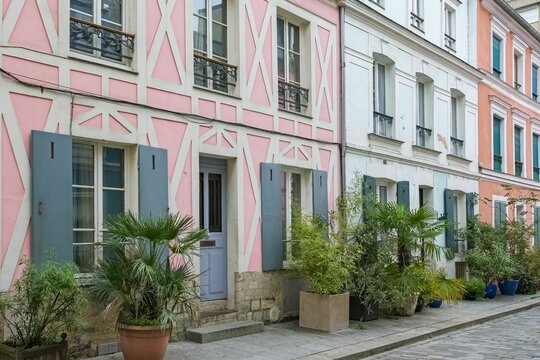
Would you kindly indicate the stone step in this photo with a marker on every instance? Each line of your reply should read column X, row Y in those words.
column 217, row 317
column 208, row 334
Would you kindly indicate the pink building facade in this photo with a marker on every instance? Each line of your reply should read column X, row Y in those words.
column 225, row 110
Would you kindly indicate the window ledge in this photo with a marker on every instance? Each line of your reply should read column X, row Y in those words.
column 426, row 152
column 98, row 61
column 458, row 160
column 197, row 87
column 305, row 116
column 385, row 142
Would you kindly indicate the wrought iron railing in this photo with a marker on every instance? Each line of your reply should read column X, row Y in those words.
column 460, row 245
column 497, row 73
column 100, row 40
column 214, row 74
column 457, row 147
column 517, row 85
column 518, row 168
column 292, row 97
column 449, row 42
column 382, row 124
column 536, row 173
column 422, row 135
column 417, row 21
column 535, row 96
column 497, row 162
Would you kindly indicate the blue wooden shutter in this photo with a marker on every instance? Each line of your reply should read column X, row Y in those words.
column 450, row 217
column 500, row 212
column 537, row 226
column 496, row 53
column 469, row 198
column 272, row 222
column 369, row 186
column 52, row 199
column 535, row 82
column 403, row 194
column 320, row 194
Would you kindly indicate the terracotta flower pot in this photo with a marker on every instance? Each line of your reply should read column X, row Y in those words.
column 144, row 342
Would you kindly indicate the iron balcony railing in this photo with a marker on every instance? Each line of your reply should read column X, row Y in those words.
column 517, row 85
column 417, row 21
column 382, row 124
column 449, row 42
column 423, row 135
column 518, row 168
column 292, row 97
column 214, row 74
column 460, row 246
column 100, row 40
column 497, row 162
column 536, row 173
column 457, row 147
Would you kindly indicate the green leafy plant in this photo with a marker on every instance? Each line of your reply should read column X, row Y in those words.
column 440, row 287
column 45, row 302
column 326, row 263
column 527, row 284
column 474, row 289
column 136, row 279
column 532, row 260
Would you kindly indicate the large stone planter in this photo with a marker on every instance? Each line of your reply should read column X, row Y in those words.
column 51, row 352
column 324, row 312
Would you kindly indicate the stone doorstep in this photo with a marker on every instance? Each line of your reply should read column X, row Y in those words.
column 224, row 331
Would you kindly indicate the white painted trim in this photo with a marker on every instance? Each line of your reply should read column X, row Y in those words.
column 501, row 199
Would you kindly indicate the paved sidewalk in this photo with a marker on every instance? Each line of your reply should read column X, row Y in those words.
column 288, row 341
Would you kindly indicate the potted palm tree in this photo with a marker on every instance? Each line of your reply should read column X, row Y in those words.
column 140, row 286
column 46, row 301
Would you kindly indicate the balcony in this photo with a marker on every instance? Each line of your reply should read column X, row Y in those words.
column 100, row 41
column 422, row 136
column 518, row 168
column 382, row 124
column 497, row 162
column 292, row 97
column 214, row 74
column 449, row 42
column 457, row 147
column 417, row 21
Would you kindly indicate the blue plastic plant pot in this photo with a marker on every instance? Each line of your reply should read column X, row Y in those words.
column 490, row 291
column 435, row 304
column 508, row 286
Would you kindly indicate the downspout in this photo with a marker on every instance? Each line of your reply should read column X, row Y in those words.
column 343, row 142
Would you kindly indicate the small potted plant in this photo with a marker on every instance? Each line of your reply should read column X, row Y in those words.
column 140, row 286
column 440, row 288
column 326, row 264
column 474, row 289
column 45, row 303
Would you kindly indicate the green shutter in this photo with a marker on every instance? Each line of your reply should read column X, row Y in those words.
column 517, row 143
column 52, row 198
column 496, row 53
column 536, row 170
column 403, row 197
column 451, row 218
column 469, row 198
column 499, row 212
column 369, row 193
column 272, row 222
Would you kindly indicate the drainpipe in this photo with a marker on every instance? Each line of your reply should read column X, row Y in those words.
column 343, row 143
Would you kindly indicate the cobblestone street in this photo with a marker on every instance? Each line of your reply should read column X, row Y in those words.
column 512, row 337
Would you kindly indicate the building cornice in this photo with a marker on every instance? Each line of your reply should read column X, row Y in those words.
column 508, row 179
column 403, row 35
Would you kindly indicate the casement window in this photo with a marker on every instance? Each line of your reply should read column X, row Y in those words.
column 283, row 191
column 417, row 14
column 291, row 95
column 211, row 66
column 383, row 96
column 518, row 151
column 382, row 194
column 99, row 191
column 498, row 141
column 457, row 114
column 497, row 56
column 78, row 185
column 449, row 28
column 534, row 80
column 521, row 212
column 378, row 2
column 424, row 106
column 97, row 28
column 535, row 159
column 518, row 71
column 499, row 212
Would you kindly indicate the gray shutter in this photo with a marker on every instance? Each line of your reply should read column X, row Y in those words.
column 153, row 185
column 52, row 199
column 469, row 198
column 272, row 223
column 153, row 182
column 403, row 194
column 537, row 226
column 450, row 217
column 500, row 212
column 369, row 186
column 320, row 194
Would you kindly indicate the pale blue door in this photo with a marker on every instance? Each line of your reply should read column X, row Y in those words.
column 213, row 217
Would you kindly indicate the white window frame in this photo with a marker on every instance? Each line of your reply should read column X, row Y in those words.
column 417, row 14
column 500, row 30
column 449, row 28
column 535, row 60
column 499, row 109
column 460, row 118
column 519, row 119
column 98, row 190
column 209, row 35
column 520, row 215
column 519, row 49
column 493, row 200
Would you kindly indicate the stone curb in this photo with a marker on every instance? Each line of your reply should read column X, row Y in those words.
column 395, row 341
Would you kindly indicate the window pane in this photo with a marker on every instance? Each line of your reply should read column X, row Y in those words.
column 294, row 38
column 383, row 194
column 199, row 34
column 219, row 11
column 294, row 68
column 83, row 255
column 83, row 208
column 199, row 7
column 214, row 203
column 111, row 14
column 454, row 118
column 219, row 40
column 81, row 237
column 381, row 90
column 535, row 150
column 113, row 203
column 83, row 164
column 497, row 136
column 496, row 53
column 281, row 63
column 280, row 33
column 113, row 167
column 421, row 107
column 201, row 200
column 82, row 9
column 535, row 81
column 517, row 143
